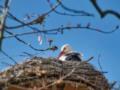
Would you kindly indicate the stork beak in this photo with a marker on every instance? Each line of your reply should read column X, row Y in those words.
column 61, row 53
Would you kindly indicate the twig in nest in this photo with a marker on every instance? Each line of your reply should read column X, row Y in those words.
column 67, row 75
column 15, row 87
column 59, row 80
column 99, row 56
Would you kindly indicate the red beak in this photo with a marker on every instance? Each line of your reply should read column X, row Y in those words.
column 61, row 53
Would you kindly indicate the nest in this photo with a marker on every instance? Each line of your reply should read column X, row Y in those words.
column 51, row 74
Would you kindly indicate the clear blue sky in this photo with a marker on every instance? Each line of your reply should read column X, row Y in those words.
column 90, row 43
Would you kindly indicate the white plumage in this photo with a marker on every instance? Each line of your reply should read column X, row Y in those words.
column 67, row 54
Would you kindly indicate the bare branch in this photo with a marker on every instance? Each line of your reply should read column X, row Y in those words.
column 38, row 20
column 106, row 12
column 99, row 56
column 4, row 53
column 81, row 13
column 62, row 29
column 2, row 22
column 25, row 43
column 75, row 11
column 7, row 64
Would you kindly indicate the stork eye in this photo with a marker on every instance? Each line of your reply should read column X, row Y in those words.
column 64, row 48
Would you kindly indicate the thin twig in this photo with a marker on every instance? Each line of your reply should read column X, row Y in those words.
column 75, row 11
column 99, row 56
column 65, row 13
column 4, row 53
column 6, row 63
column 106, row 12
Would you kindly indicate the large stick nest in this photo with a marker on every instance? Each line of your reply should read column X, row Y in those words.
column 43, row 73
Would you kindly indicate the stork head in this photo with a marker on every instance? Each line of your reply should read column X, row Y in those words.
column 65, row 49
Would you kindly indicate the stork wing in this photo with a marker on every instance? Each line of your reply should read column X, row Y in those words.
column 73, row 56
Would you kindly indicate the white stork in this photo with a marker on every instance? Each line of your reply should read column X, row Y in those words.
column 67, row 54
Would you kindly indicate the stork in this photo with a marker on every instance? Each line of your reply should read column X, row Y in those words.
column 67, row 54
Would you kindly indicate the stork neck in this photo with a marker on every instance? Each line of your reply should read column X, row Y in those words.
column 61, row 53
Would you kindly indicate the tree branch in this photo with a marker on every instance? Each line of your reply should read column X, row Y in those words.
column 2, row 22
column 79, row 13
column 64, row 28
column 4, row 53
column 106, row 12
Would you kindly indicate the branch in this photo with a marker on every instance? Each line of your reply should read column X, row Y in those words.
column 3, row 20
column 28, row 54
column 22, row 23
column 104, row 13
column 7, row 64
column 4, row 53
column 67, row 14
column 75, row 11
column 25, row 43
column 38, row 20
column 99, row 56
column 64, row 13
column 62, row 29
column 53, row 48
column 113, row 84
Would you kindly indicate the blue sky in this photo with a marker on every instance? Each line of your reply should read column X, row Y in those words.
column 90, row 43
